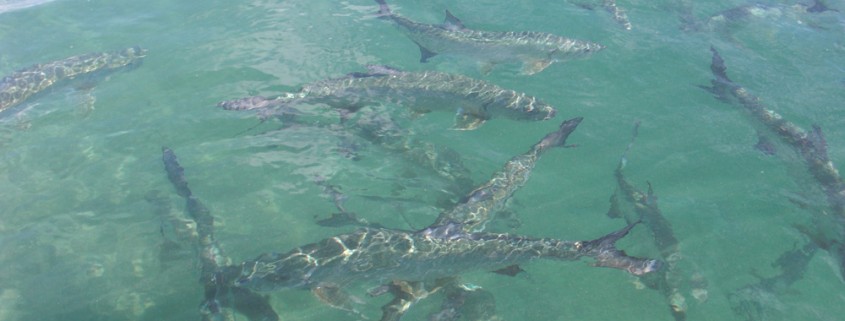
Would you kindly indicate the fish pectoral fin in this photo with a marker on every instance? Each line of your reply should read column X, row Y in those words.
column 530, row 67
column 452, row 23
column 334, row 296
column 467, row 122
column 486, row 67
column 425, row 53
column 510, row 270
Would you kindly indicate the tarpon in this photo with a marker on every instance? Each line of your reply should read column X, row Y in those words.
column 22, row 84
column 218, row 294
column 474, row 101
column 670, row 279
column 535, row 50
column 812, row 147
column 435, row 252
column 481, row 204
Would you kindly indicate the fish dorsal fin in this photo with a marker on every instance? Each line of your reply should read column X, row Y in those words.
column 452, row 22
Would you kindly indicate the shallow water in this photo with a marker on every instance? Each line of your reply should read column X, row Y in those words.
column 80, row 239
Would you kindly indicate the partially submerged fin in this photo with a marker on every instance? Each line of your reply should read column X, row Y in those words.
column 530, row 67
column 452, row 22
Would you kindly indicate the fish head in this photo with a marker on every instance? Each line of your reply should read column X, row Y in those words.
column 271, row 272
column 573, row 49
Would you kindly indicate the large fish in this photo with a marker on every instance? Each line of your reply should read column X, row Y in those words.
column 829, row 230
column 670, row 279
column 535, row 50
column 213, row 263
column 435, row 252
column 21, row 84
column 481, row 204
column 474, row 101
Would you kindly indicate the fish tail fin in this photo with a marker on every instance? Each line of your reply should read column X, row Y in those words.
column 604, row 251
column 383, row 9
column 558, row 137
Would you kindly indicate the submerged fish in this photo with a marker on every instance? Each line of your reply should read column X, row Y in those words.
column 481, row 204
column 812, row 147
column 436, row 252
column 535, row 50
column 439, row 251
column 473, row 100
column 213, row 263
column 671, row 279
column 24, row 83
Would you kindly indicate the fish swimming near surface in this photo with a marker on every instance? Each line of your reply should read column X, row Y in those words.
column 22, row 84
column 535, row 50
column 436, row 252
column 480, row 206
column 829, row 230
column 670, row 280
column 218, row 295
column 474, row 101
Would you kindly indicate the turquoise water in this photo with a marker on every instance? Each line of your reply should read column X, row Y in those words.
column 80, row 240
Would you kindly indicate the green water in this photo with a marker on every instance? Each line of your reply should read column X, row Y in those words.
column 80, row 241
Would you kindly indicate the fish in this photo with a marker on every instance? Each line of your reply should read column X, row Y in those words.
column 432, row 253
column 811, row 145
column 479, row 206
column 214, row 265
column 473, row 101
column 535, row 50
column 24, row 83
column 670, row 281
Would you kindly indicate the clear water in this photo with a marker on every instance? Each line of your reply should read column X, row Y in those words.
column 80, row 241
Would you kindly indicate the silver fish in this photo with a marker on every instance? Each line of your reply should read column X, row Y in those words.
column 474, row 101
column 481, row 204
column 536, row 50
column 438, row 252
column 24, row 83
